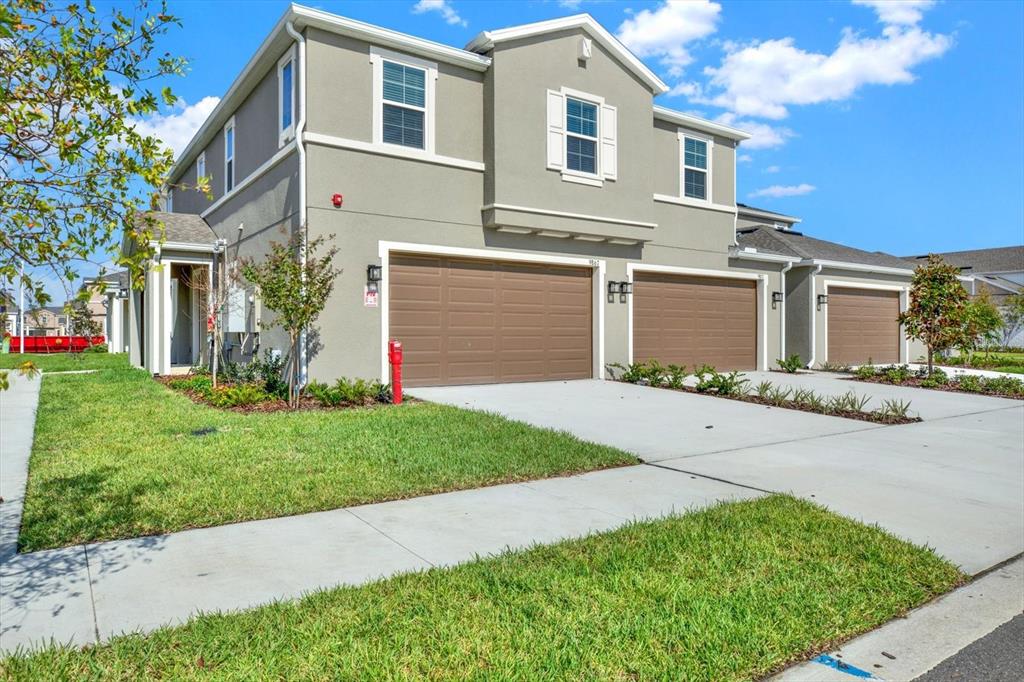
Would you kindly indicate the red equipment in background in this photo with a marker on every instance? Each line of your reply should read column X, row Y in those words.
column 55, row 344
column 395, row 358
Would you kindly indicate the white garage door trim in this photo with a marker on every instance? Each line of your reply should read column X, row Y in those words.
column 762, row 301
column 843, row 284
column 384, row 249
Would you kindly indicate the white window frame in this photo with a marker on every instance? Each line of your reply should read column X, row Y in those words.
column 285, row 135
column 568, row 174
column 710, row 141
column 169, row 206
column 378, row 56
column 201, row 165
column 229, row 174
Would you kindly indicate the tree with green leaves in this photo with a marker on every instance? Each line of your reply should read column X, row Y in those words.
column 938, row 311
column 1013, row 317
column 983, row 323
column 297, row 291
column 74, row 170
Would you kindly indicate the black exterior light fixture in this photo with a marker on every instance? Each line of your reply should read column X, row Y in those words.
column 777, row 298
column 122, row 292
column 626, row 288
column 822, row 300
column 614, row 288
column 373, row 275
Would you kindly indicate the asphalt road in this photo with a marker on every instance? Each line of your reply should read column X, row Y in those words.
column 996, row 657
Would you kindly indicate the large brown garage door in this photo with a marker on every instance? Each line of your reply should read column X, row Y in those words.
column 862, row 326
column 465, row 321
column 686, row 320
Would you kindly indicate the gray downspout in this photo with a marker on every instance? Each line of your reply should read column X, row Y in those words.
column 300, row 128
column 782, row 330
column 814, row 317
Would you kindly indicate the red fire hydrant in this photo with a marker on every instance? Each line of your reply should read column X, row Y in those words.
column 395, row 358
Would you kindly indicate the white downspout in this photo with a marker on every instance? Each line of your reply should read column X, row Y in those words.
column 782, row 309
column 814, row 317
column 300, row 129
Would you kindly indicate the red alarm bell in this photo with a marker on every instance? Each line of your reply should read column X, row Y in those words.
column 337, row 200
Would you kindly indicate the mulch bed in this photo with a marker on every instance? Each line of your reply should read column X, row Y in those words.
column 915, row 382
column 306, row 403
column 793, row 405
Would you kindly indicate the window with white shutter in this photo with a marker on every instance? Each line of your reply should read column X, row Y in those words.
column 581, row 137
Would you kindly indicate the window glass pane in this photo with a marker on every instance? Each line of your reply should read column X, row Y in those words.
column 403, row 126
column 695, row 184
column 229, row 171
column 696, row 153
column 404, row 84
column 581, row 117
column 229, row 143
column 286, row 96
column 581, row 154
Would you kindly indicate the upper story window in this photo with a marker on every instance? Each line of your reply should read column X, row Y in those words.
column 403, row 101
column 695, row 179
column 170, row 201
column 229, row 155
column 201, row 166
column 286, row 98
column 582, row 137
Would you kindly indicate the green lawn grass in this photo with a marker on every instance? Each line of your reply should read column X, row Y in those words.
column 64, row 362
column 729, row 593
column 118, row 455
column 996, row 360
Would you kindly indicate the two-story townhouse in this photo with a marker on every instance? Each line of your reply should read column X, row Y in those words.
column 517, row 210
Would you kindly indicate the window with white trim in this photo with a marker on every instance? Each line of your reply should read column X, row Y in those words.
column 170, row 201
column 403, row 100
column 201, row 166
column 580, row 135
column 286, row 98
column 229, row 155
column 581, row 140
column 695, row 173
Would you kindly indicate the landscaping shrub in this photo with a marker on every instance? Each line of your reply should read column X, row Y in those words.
column 896, row 374
column 828, row 366
column 711, row 381
column 349, row 392
column 194, row 383
column 650, row 373
column 969, row 383
column 894, row 409
column 267, row 371
column 790, row 364
column 865, row 372
column 98, row 348
column 238, row 395
column 1002, row 385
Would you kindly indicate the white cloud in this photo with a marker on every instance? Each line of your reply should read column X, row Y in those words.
column 177, row 128
column 569, row 4
column 905, row 12
column 772, row 169
column 744, row 158
column 442, row 7
column 762, row 135
column 665, row 31
column 777, row 191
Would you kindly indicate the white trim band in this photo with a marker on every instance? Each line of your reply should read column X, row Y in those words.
column 695, row 203
column 565, row 214
column 392, row 150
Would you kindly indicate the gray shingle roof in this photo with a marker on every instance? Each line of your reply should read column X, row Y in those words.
column 188, row 228
column 795, row 244
column 977, row 261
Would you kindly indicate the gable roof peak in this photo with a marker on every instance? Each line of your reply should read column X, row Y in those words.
column 486, row 40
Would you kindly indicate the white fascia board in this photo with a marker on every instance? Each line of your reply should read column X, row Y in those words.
column 697, row 123
column 278, row 40
column 761, row 213
column 486, row 41
column 859, row 267
column 183, row 246
column 763, row 257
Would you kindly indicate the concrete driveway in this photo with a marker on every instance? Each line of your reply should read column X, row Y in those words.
column 954, row 481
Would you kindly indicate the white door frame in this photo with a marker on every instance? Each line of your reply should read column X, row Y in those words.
column 384, row 249
column 762, row 300
column 904, row 290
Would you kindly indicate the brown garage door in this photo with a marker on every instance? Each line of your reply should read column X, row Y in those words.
column 686, row 320
column 862, row 326
column 465, row 321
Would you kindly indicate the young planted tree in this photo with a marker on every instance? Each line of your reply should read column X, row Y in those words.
column 296, row 291
column 1013, row 317
column 937, row 315
column 982, row 323
column 74, row 169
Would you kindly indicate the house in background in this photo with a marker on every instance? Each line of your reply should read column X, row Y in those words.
column 109, row 307
column 46, row 321
column 521, row 209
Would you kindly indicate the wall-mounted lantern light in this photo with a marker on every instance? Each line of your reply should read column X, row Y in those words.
column 777, row 298
column 122, row 292
column 614, row 288
column 822, row 300
column 373, row 276
column 626, row 288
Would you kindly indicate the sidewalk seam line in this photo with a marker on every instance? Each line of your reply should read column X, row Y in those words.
column 378, row 530
column 712, row 478
column 92, row 595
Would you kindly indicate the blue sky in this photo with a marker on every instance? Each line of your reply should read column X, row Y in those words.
column 895, row 127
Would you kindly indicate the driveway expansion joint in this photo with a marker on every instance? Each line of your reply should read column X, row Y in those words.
column 385, row 535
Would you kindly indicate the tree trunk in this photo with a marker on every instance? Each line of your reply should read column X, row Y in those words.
column 930, row 363
column 293, row 375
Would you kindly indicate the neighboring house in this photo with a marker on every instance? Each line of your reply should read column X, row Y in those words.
column 110, row 308
column 521, row 209
column 9, row 313
column 999, row 270
column 46, row 321
column 841, row 303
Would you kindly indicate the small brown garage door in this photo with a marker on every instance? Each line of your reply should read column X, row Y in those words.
column 862, row 326
column 465, row 321
column 686, row 320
